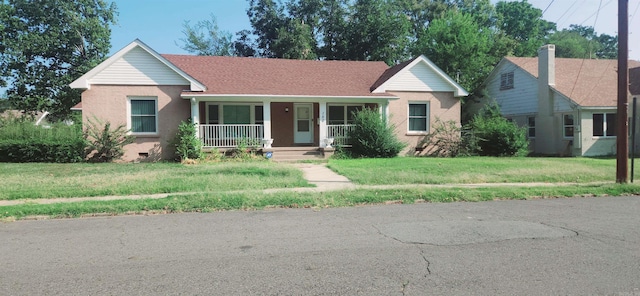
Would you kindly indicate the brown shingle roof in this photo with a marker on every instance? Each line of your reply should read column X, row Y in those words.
column 261, row 76
column 589, row 83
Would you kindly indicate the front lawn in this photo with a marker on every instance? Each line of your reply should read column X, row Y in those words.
column 46, row 180
column 468, row 170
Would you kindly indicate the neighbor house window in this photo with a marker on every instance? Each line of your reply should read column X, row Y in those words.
column 343, row 114
column 419, row 117
column 506, row 80
column 604, row 124
column 235, row 114
column 143, row 115
column 568, row 125
column 531, row 126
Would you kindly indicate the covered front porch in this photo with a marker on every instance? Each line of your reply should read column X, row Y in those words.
column 224, row 122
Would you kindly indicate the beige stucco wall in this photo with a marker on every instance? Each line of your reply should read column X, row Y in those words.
column 109, row 103
column 442, row 105
column 595, row 146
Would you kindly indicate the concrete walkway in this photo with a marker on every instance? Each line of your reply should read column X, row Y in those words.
column 317, row 174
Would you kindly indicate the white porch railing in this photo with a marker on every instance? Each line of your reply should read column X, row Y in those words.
column 340, row 134
column 230, row 135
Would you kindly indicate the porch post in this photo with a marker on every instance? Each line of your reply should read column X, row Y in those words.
column 384, row 111
column 266, row 116
column 322, row 122
column 195, row 115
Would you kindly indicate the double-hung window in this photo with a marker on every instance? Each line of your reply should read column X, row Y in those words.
column 143, row 115
column 531, row 126
column 568, row 125
column 604, row 124
column 418, row 117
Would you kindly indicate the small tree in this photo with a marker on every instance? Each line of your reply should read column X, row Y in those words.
column 188, row 146
column 373, row 137
column 445, row 140
column 490, row 134
column 106, row 144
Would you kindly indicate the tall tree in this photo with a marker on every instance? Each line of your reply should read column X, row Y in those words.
column 523, row 23
column 377, row 31
column 206, row 38
column 46, row 44
column 460, row 47
column 422, row 12
column 584, row 43
column 266, row 18
column 295, row 41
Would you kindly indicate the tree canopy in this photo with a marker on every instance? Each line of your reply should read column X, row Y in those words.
column 46, row 44
column 466, row 38
column 206, row 38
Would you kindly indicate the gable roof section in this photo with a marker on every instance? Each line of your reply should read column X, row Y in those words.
column 588, row 83
column 137, row 64
column 281, row 77
column 419, row 74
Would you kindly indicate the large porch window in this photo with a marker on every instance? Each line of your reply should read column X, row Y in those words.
column 235, row 114
column 229, row 124
column 343, row 114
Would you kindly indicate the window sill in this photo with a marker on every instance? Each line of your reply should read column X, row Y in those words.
column 603, row 137
column 416, row 133
column 145, row 135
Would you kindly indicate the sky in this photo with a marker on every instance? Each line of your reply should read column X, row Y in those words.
column 158, row 23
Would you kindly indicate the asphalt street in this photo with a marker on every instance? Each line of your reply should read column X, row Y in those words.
column 575, row 246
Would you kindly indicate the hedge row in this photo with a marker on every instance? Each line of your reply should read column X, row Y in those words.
column 44, row 150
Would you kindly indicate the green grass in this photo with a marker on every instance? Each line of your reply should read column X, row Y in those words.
column 253, row 200
column 468, row 170
column 33, row 181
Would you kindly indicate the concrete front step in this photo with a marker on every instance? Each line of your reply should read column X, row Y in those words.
column 293, row 154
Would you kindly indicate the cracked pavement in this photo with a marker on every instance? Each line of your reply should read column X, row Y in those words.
column 575, row 246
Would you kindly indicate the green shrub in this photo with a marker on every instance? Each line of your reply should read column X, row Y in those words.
column 490, row 134
column 105, row 144
column 187, row 144
column 22, row 141
column 35, row 150
column 373, row 137
column 247, row 149
column 445, row 140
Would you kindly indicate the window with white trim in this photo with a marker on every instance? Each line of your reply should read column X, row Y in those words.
column 235, row 114
column 604, row 124
column 567, row 125
column 531, row 126
column 342, row 114
column 418, row 117
column 143, row 115
column 506, row 80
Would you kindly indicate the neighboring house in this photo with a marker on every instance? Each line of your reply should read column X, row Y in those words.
column 276, row 102
column 567, row 105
